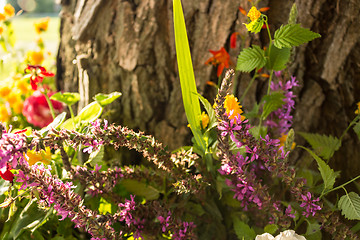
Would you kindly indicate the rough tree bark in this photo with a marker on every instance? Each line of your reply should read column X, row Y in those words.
column 128, row 46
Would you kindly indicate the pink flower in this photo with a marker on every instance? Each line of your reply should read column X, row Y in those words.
column 37, row 111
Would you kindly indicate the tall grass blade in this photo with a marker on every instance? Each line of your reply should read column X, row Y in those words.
column 186, row 74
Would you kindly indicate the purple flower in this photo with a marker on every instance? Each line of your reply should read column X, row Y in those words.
column 229, row 128
column 125, row 214
column 164, row 222
column 281, row 118
column 309, row 205
column 288, row 211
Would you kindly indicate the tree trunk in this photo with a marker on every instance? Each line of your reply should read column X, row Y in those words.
column 128, row 46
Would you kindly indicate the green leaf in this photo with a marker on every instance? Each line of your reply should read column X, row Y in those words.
column 30, row 217
column 96, row 157
column 292, row 35
column 140, row 189
column 313, row 231
column 209, row 110
column 186, row 74
column 350, row 206
column 69, row 98
column 106, row 99
column 271, row 228
column 89, row 113
column 251, row 58
column 272, row 103
column 357, row 129
column 328, row 175
column 277, row 58
column 242, row 230
column 323, row 145
column 258, row 131
column 55, row 123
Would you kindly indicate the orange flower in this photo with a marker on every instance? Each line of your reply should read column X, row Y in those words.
column 233, row 39
column 204, row 120
column 1, row 30
column 242, row 11
column 283, row 140
column 254, row 14
column 2, row 17
column 233, row 107
column 42, row 25
column 9, row 10
column 358, row 108
column 264, row 9
column 221, row 59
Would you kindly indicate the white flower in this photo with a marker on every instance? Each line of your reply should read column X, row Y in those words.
column 285, row 235
column 265, row 236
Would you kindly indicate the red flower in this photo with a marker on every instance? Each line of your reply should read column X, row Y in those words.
column 6, row 174
column 37, row 111
column 37, row 74
column 221, row 59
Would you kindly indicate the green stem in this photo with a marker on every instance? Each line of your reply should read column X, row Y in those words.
column 342, row 186
column 350, row 125
column 72, row 115
column 52, row 111
column 299, row 222
column 268, row 30
column 248, row 86
column 269, row 85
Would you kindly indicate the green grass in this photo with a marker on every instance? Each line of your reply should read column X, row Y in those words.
column 25, row 30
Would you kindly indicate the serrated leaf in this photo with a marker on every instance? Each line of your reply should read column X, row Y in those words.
column 357, row 129
column 272, row 103
column 251, row 58
column 324, row 146
column 106, row 99
column 328, row 175
column 69, row 98
column 350, row 206
column 277, row 58
column 292, row 35
column 242, row 230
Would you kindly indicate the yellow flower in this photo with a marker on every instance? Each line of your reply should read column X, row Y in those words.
column 41, row 25
column 35, row 58
column 17, row 107
column 4, row 113
column 254, row 14
column 233, row 107
column 9, row 10
column 358, row 109
column 23, row 85
column 43, row 156
column 204, row 120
